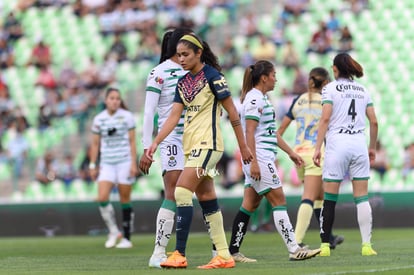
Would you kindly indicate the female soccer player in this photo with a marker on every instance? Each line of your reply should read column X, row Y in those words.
column 261, row 178
column 203, row 91
column 346, row 104
column 306, row 109
column 114, row 135
column 161, row 84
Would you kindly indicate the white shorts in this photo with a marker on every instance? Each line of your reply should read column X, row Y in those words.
column 269, row 178
column 344, row 153
column 172, row 155
column 116, row 173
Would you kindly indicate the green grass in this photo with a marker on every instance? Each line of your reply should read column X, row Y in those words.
column 86, row 255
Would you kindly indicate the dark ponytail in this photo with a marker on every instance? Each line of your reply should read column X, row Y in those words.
column 347, row 66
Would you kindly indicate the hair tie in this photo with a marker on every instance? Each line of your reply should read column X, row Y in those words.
column 193, row 40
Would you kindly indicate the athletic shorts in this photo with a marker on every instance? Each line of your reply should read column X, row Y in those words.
column 172, row 155
column 269, row 178
column 116, row 173
column 309, row 169
column 206, row 159
column 345, row 153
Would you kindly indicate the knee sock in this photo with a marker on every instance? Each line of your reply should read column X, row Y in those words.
column 239, row 229
column 327, row 216
column 285, row 228
column 364, row 215
column 127, row 220
column 108, row 215
column 303, row 219
column 164, row 227
column 184, row 216
column 214, row 219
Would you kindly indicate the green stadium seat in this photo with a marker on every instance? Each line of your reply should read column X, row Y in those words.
column 5, row 171
column 218, row 17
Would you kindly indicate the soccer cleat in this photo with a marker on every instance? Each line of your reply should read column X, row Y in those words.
column 156, row 260
column 303, row 254
column 124, row 243
column 367, row 250
column 325, row 250
column 175, row 260
column 239, row 257
column 112, row 239
column 336, row 240
column 219, row 262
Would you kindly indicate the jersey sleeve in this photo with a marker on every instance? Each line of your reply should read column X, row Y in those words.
column 177, row 97
column 370, row 103
column 327, row 95
column 219, row 87
column 289, row 113
column 155, row 82
column 131, row 121
column 253, row 109
column 95, row 126
column 151, row 103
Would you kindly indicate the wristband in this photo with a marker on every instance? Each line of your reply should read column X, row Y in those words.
column 92, row 165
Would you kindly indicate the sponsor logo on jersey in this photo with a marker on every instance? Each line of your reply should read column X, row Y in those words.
column 159, row 80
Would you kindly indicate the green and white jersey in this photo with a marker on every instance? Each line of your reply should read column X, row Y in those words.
column 113, row 129
column 258, row 107
column 160, row 92
column 349, row 101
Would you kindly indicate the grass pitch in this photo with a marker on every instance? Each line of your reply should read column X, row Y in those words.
column 87, row 255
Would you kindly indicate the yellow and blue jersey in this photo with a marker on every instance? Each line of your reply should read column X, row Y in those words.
column 201, row 95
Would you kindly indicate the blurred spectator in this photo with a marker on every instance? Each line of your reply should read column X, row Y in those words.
column 46, row 79
column 108, row 21
column 248, row 24
column 146, row 17
column 12, row 27
column 67, row 74
column 345, row 43
column 357, row 6
column 7, row 105
column 408, row 164
column 89, row 77
column 290, row 57
column 300, row 81
column 333, row 24
column 192, row 13
column 20, row 119
column 78, row 102
column 41, row 54
column 321, row 42
column 246, row 56
column 149, row 47
column 294, row 8
column 266, row 50
column 6, row 54
column 44, row 119
column 283, row 103
column 118, row 49
column 381, row 163
column 17, row 148
column 107, row 70
column 228, row 55
column 46, row 169
column 92, row 6
column 66, row 170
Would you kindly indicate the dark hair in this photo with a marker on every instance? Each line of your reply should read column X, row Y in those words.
column 347, row 66
column 252, row 76
column 112, row 89
column 317, row 77
column 170, row 41
column 207, row 55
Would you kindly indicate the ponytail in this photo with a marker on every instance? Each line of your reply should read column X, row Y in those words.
column 347, row 66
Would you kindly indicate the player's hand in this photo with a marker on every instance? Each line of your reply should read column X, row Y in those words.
column 298, row 160
column 246, row 155
column 93, row 173
column 255, row 171
column 145, row 163
column 372, row 154
column 150, row 151
column 317, row 158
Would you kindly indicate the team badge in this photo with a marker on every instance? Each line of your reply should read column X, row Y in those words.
column 172, row 161
column 159, row 80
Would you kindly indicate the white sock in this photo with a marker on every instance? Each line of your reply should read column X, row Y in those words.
column 108, row 215
column 364, row 215
column 165, row 223
column 285, row 229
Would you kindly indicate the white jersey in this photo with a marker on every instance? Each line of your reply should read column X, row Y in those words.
column 113, row 129
column 349, row 101
column 257, row 106
column 160, row 92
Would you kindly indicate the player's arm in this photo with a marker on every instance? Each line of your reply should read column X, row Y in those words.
column 251, row 126
column 282, row 144
column 373, row 131
column 133, row 149
column 228, row 105
column 283, row 126
column 95, row 143
column 322, row 129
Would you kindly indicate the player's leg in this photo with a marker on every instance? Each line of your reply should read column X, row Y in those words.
column 251, row 201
